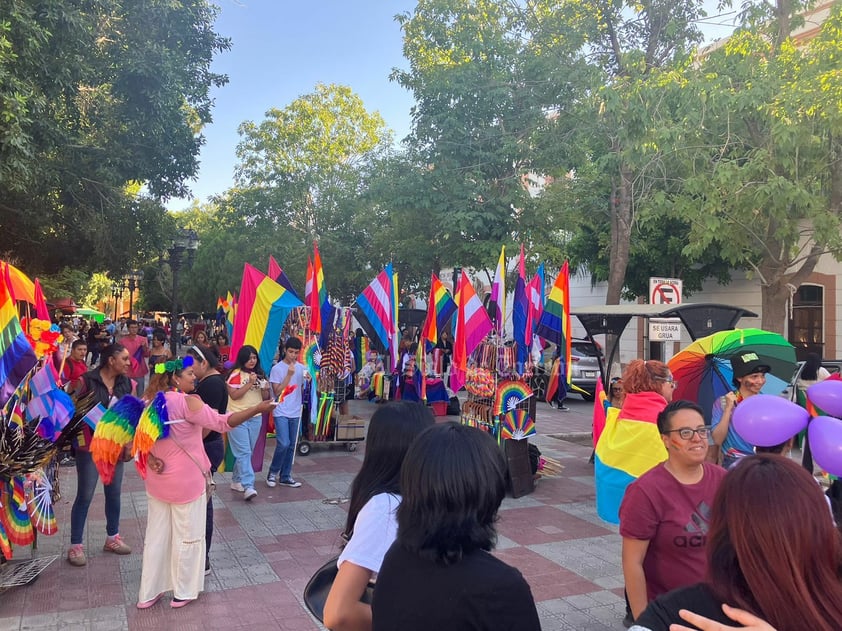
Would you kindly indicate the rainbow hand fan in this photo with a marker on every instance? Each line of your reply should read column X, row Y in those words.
column 509, row 395
column 113, row 432
column 153, row 424
column 41, row 507
column 16, row 521
column 516, row 425
column 5, row 544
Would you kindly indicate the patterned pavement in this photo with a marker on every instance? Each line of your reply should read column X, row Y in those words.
column 265, row 551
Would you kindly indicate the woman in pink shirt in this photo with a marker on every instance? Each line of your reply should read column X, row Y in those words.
column 174, row 546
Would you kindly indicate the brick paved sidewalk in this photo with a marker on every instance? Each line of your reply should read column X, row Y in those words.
column 264, row 551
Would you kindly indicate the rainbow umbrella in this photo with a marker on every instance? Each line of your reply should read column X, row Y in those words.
column 703, row 369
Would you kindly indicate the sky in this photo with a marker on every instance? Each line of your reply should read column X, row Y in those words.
column 282, row 48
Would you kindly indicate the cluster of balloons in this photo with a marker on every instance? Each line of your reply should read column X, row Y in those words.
column 767, row 420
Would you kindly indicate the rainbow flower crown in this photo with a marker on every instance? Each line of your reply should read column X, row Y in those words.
column 174, row 365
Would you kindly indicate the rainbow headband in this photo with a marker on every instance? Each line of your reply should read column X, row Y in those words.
column 174, row 365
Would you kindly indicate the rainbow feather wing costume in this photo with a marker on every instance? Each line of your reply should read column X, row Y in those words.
column 153, row 424
column 113, row 432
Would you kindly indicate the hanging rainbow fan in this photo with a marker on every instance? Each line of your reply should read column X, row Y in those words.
column 16, row 521
column 516, row 425
column 41, row 507
column 509, row 395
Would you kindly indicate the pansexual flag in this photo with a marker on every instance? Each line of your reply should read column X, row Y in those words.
column 440, row 309
column 628, row 447
column 262, row 310
column 16, row 355
column 472, row 325
column 554, row 325
column 374, row 311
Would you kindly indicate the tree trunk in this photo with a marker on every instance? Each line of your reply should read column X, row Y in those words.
column 773, row 304
column 775, row 292
column 621, row 226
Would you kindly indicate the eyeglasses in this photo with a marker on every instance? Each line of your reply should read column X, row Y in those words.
column 686, row 433
column 669, row 380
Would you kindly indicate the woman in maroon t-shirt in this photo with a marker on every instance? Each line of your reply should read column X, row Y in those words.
column 665, row 512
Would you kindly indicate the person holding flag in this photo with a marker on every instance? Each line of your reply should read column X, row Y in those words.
column 287, row 373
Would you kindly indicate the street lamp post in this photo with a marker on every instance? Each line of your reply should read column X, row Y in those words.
column 132, row 280
column 187, row 241
column 116, row 292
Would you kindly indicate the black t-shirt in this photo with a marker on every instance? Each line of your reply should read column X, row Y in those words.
column 663, row 611
column 479, row 593
column 213, row 391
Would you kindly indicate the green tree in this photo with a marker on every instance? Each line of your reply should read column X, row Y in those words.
column 95, row 96
column 762, row 175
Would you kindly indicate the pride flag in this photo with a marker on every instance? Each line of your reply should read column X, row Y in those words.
column 628, row 447
column 279, row 276
column 440, row 310
column 16, row 355
column 554, row 325
column 472, row 325
column 321, row 311
column 230, row 313
column 374, row 311
column 395, row 304
column 498, row 293
column 262, row 310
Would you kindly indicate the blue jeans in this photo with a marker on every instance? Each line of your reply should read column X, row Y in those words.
column 285, row 436
column 86, row 479
column 242, row 440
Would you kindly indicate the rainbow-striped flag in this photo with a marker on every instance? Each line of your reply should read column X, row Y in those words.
column 16, row 355
column 554, row 325
column 262, row 310
column 472, row 325
column 440, row 309
column 321, row 312
column 374, row 311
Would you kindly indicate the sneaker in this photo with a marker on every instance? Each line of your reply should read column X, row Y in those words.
column 249, row 494
column 271, row 480
column 290, row 483
column 563, row 408
column 116, row 545
column 628, row 621
column 76, row 556
column 236, row 486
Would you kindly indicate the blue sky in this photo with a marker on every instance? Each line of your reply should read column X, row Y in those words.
column 282, row 48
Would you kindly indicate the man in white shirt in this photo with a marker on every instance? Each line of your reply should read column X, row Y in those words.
column 287, row 414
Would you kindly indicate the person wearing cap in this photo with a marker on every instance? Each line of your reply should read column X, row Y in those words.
column 749, row 379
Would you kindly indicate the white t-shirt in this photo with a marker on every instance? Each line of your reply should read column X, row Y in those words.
column 290, row 407
column 375, row 530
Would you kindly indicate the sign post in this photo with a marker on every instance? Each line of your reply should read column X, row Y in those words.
column 665, row 291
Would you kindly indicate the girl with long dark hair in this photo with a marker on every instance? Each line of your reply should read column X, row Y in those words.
column 247, row 387
column 371, row 525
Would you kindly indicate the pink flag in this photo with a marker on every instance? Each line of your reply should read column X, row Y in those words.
column 472, row 325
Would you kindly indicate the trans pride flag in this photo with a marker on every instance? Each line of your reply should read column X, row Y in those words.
column 262, row 309
column 374, row 311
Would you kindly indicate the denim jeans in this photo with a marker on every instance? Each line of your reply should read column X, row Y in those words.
column 285, row 439
column 242, row 440
column 86, row 480
column 215, row 449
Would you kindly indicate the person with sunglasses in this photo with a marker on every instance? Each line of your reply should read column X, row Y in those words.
column 665, row 513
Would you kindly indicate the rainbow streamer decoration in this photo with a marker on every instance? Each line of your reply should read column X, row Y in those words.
column 324, row 413
column 509, row 395
column 516, row 425
column 16, row 520
column 262, row 310
column 113, row 432
column 41, row 510
column 153, row 424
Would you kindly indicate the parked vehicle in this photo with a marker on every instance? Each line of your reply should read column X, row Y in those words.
column 833, row 366
column 584, row 371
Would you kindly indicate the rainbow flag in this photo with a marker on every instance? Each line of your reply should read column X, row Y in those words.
column 498, row 293
column 279, row 276
column 472, row 325
column 440, row 310
column 628, row 447
column 395, row 305
column 262, row 310
column 554, row 325
column 16, row 355
column 374, row 311
column 321, row 312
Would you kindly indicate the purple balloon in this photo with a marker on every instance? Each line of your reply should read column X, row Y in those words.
column 767, row 420
column 825, row 435
column 827, row 395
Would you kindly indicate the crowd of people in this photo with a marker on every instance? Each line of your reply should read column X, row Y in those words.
column 705, row 539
